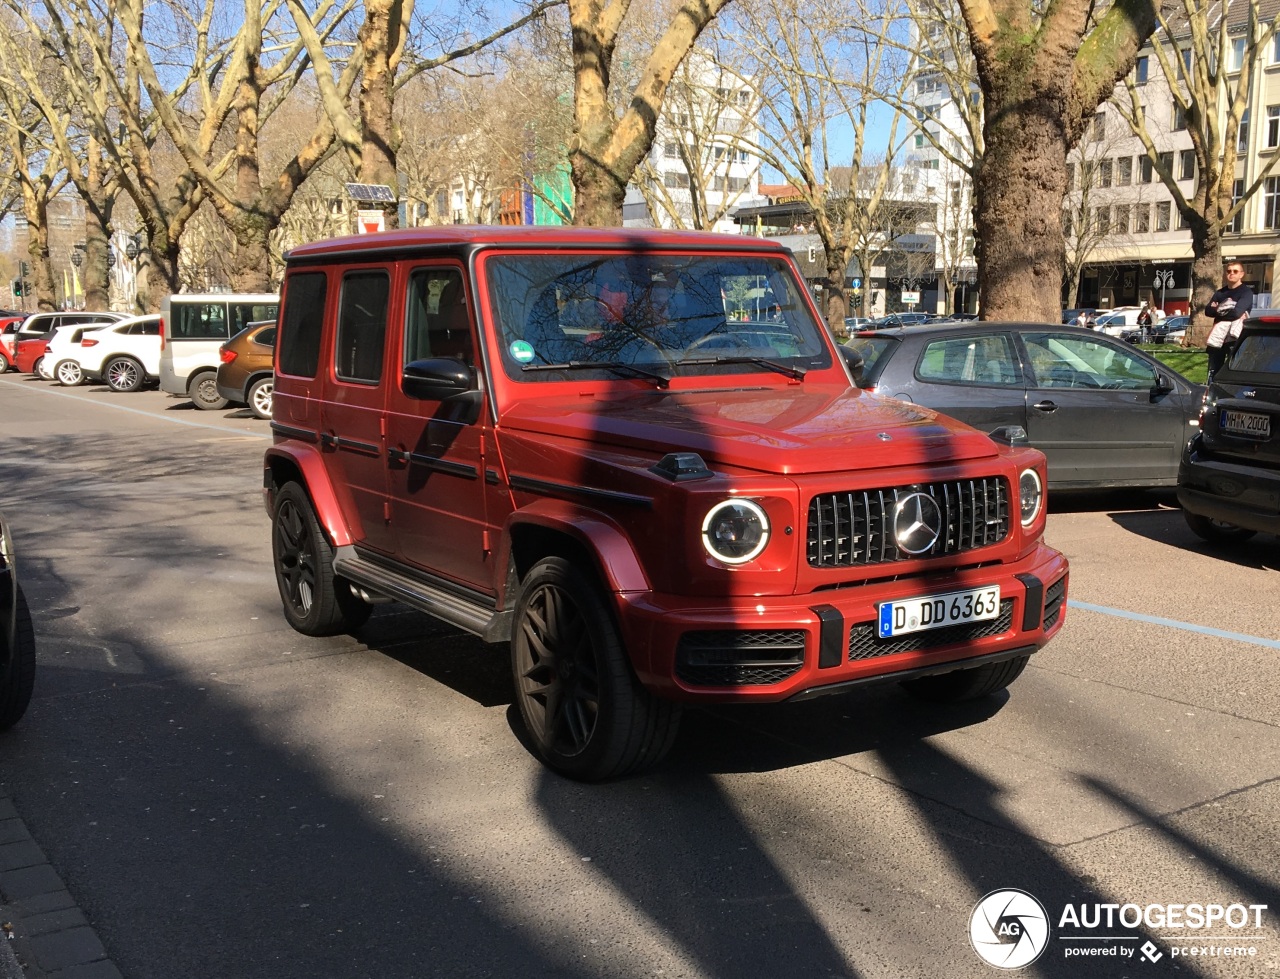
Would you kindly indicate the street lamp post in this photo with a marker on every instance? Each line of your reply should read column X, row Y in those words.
column 1164, row 279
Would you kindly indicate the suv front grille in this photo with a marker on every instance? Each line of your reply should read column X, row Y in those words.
column 864, row 643
column 856, row 528
column 737, row 658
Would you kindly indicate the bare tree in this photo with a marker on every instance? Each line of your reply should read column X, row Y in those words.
column 806, row 93
column 1043, row 69
column 611, row 135
column 1208, row 57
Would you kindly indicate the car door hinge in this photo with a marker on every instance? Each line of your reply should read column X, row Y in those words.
column 485, row 544
column 386, row 510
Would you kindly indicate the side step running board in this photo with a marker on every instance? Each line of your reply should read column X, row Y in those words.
column 490, row 624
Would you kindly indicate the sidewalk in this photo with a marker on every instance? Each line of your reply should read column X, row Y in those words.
column 51, row 938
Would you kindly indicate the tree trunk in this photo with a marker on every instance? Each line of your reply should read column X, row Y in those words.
column 1019, row 188
column 381, row 36
column 598, row 194
column 835, row 305
column 1206, row 273
column 157, row 272
column 97, row 232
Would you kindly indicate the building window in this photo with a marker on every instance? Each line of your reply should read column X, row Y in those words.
column 1179, row 118
column 1243, row 145
column 1183, row 223
column 1166, row 163
column 1235, row 60
column 1186, row 164
column 1271, row 204
column 671, row 151
column 1273, row 126
column 1104, row 173
column 1102, row 220
column 1145, row 170
column 1142, row 219
column 677, row 181
column 919, row 141
column 1237, row 191
column 1124, row 171
column 1162, row 215
column 1120, row 220
column 1275, row 50
column 1140, row 69
column 1099, row 126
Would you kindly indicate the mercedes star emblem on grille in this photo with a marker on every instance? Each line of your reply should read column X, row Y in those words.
column 917, row 523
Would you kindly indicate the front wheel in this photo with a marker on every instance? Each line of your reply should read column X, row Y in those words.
column 582, row 706
column 16, row 685
column 1216, row 531
column 316, row 601
column 4, row 362
column 259, row 396
column 69, row 374
column 970, row 684
column 203, row 391
column 123, row 374
column 38, row 368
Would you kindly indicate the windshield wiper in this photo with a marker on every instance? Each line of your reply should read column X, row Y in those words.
column 772, row 365
column 631, row 370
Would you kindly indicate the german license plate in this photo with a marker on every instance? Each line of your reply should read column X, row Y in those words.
column 1246, row 423
column 936, row 611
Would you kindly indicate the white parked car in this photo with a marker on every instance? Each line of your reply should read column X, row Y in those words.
column 125, row 355
column 59, row 361
column 1119, row 321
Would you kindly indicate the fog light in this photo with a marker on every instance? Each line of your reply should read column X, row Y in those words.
column 735, row 531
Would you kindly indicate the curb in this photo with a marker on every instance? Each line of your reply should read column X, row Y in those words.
column 46, row 936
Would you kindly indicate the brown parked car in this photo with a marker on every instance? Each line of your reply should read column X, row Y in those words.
column 245, row 374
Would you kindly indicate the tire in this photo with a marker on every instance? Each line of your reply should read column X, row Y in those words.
column 16, row 685
column 38, row 368
column 259, row 396
column 203, row 391
column 586, row 714
column 68, row 373
column 123, row 374
column 316, row 601
column 1216, row 531
column 4, row 363
column 970, row 684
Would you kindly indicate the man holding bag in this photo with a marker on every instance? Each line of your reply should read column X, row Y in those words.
column 1227, row 308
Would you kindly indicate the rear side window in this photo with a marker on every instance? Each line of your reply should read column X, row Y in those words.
column 198, row 321
column 242, row 314
column 362, row 326
column 1258, row 353
column 971, row 360
column 303, row 323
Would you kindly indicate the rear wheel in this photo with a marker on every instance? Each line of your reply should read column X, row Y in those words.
column 259, row 396
column 316, row 601
column 4, row 362
column 203, row 391
column 17, row 683
column 68, row 373
column 123, row 374
column 1216, row 531
column 970, row 684
column 582, row 706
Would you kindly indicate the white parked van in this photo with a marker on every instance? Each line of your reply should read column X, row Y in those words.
column 193, row 327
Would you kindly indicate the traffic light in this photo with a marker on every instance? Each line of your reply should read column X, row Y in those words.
column 17, row 288
column 24, row 269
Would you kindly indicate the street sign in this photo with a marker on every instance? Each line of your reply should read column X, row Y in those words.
column 369, row 222
column 857, row 283
column 910, row 297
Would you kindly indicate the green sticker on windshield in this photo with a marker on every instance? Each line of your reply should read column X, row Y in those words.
column 521, row 351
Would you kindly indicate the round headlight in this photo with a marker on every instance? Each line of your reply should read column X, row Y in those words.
column 1030, row 496
column 735, row 531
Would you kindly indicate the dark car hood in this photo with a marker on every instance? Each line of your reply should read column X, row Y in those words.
column 793, row 430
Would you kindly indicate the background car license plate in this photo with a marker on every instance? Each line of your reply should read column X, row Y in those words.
column 1245, row 423
column 936, row 611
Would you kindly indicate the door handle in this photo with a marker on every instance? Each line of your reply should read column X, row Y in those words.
column 1047, row 407
column 328, row 440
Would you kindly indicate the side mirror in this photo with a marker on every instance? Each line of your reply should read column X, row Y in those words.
column 1164, row 384
column 436, row 379
column 854, row 361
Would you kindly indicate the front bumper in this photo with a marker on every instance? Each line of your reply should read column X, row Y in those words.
column 1246, row 496
column 750, row 649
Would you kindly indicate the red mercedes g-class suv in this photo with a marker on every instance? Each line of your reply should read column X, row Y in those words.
column 637, row 457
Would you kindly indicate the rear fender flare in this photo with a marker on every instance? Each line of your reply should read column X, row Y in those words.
column 302, row 463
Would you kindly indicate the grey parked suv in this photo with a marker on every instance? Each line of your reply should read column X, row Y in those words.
column 1229, row 481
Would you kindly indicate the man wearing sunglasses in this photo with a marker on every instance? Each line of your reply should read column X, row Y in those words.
column 1227, row 308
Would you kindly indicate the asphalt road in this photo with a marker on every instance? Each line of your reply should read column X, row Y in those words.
column 225, row 797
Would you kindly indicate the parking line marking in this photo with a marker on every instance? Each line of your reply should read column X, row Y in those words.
column 1203, row 630
column 148, row 414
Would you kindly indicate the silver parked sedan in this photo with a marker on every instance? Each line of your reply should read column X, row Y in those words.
column 1103, row 413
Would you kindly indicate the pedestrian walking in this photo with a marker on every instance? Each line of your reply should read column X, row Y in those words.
column 1227, row 308
column 1144, row 322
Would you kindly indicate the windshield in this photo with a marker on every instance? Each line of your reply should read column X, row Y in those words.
column 593, row 316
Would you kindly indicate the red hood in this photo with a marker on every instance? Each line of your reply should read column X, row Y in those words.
column 792, row 430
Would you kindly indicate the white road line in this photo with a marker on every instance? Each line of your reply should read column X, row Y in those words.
column 1203, row 630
